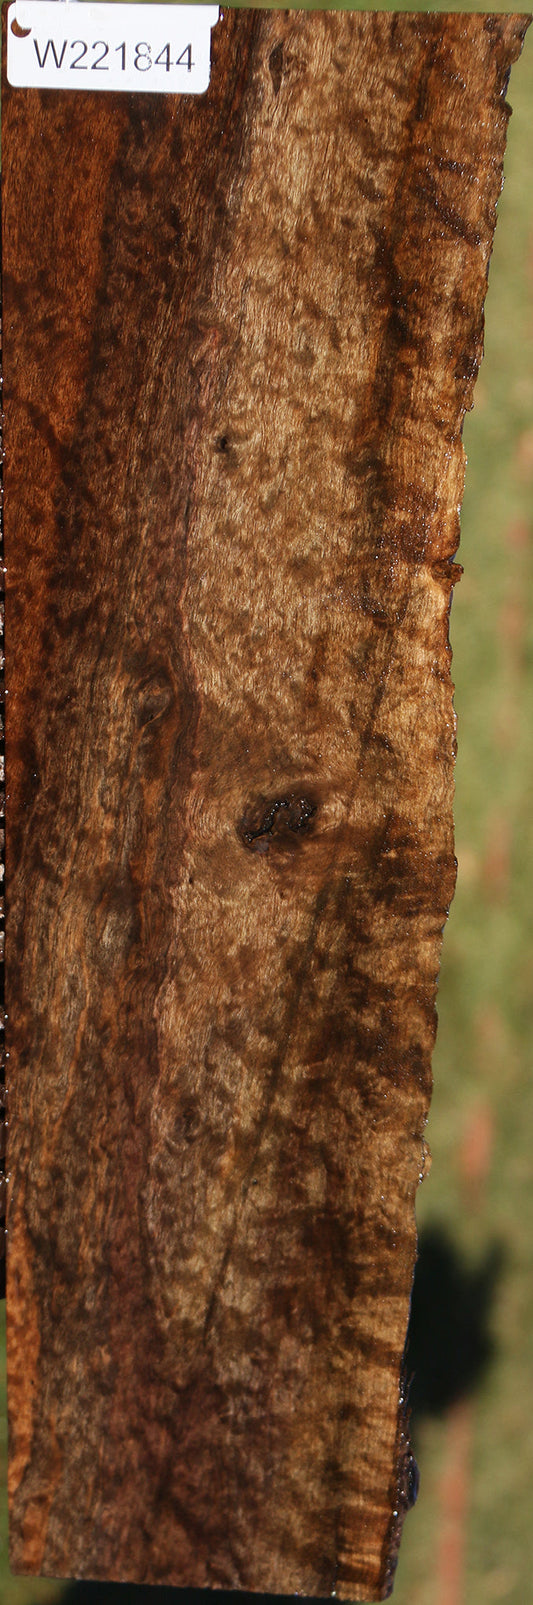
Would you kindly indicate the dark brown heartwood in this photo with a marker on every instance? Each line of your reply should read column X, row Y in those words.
column 241, row 332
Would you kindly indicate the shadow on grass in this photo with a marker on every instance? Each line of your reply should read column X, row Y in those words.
column 449, row 1343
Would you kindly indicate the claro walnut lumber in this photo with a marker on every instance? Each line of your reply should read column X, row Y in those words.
column 241, row 333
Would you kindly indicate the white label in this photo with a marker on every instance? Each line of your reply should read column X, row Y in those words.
column 164, row 49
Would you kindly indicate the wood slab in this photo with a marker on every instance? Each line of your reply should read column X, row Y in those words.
column 241, row 334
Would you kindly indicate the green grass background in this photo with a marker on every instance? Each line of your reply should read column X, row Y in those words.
column 482, row 1063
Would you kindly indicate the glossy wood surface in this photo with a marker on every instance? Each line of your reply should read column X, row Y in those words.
column 241, row 333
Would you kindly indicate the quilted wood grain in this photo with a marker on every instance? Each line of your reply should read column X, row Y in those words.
column 241, row 333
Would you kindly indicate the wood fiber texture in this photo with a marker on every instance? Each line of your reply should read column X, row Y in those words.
column 241, row 333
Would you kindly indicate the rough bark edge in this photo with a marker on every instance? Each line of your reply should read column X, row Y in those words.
column 404, row 1491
